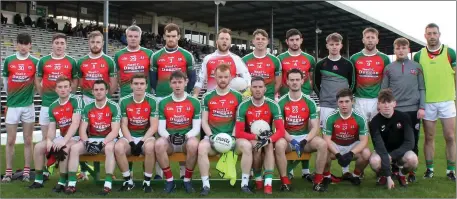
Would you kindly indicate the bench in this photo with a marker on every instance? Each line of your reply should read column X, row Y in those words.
column 176, row 157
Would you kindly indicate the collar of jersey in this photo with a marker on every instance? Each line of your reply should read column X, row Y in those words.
column 58, row 58
column 301, row 95
column 132, row 51
column 170, row 50
column 133, row 97
column 328, row 57
column 288, row 52
column 65, row 101
column 377, row 51
column 101, row 54
column 106, row 101
column 20, row 57
column 263, row 102
column 347, row 117
column 222, row 94
column 432, row 51
column 178, row 100
column 253, row 54
column 219, row 54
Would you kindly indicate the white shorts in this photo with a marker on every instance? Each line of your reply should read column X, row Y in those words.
column 87, row 100
column 299, row 138
column 138, row 139
column 75, row 138
column 44, row 115
column 323, row 114
column 441, row 110
column 16, row 114
column 345, row 149
column 368, row 107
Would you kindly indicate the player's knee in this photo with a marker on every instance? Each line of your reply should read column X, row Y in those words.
column 449, row 136
column 203, row 148
column 109, row 148
column 119, row 148
column 75, row 149
column 410, row 158
column 280, row 147
column 149, row 148
column 366, row 154
column 375, row 160
column 321, row 145
column 161, row 146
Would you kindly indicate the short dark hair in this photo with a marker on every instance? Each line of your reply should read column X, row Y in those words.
column 224, row 30
column 334, row 37
column 295, row 70
column 24, row 38
column 178, row 74
column 59, row 36
column 372, row 30
column 99, row 81
column 63, row 78
column 293, row 32
column 257, row 78
column 401, row 42
column 139, row 76
column 260, row 32
column 386, row 95
column 170, row 27
column 432, row 25
column 345, row 92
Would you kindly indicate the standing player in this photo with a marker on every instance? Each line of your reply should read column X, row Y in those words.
column 332, row 74
column 98, row 131
column 438, row 62
column 257, row 107
column 393, row 141
column 64, row 113
column 263, row 64
column 168, row 59
column 299, row 110
column 218, row 116
column 96, row 66
column 345, row 132
column 406, row 80
column 18, row 75
column 138, row 124
column 294, row 57
column 222, row 55
column 132, row 59
column 49, row 68
column 179, row 124
column 369, row 66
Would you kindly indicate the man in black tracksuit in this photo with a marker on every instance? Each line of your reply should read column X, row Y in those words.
column 406, row 80
column 393, row 141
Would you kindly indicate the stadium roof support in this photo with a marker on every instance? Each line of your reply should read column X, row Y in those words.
column 105, row 25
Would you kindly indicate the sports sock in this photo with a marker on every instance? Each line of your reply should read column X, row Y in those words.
column 71, row 179
column 62, row 179
column 182, row 170
column 39, row 176
column 188, row 175
column 26, row 171
column 318, row 178
column 345, row 169
column 244, row 179
column 147, row 178
column 429, row 164
column 258, row 174
column 356, row 173
column 168, row 174
column 45, row 171
column 268, row 177
column 205, row 181
column 450, row 166
column 108, row 180
column 9, row 172
column 285, row 180
column 305, row 167
column 327, row 174
column 159, row 170
column 127, row 177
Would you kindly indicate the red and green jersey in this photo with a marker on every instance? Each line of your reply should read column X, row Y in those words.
column 304, row 61
column 298, row 113
column 369, row 73
column 344, row 132
column 100, row 118
column 165, row 62
column 267, row 67
column 62, row 114
column 21, row 76
column 91, row 69
column 179, row 114
column 248, row 112
column 451, row 56
column 138, row 114
column 221, row 110
column 130, row 62
column 50, row 68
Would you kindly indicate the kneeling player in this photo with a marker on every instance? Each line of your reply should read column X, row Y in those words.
column 64, row 113
column 298, row 109
column 218, row 116
column 179, row 124
column 98, row 131
column 346, row 135
column 138, row 125
column 257, row 107
column 393, row 138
